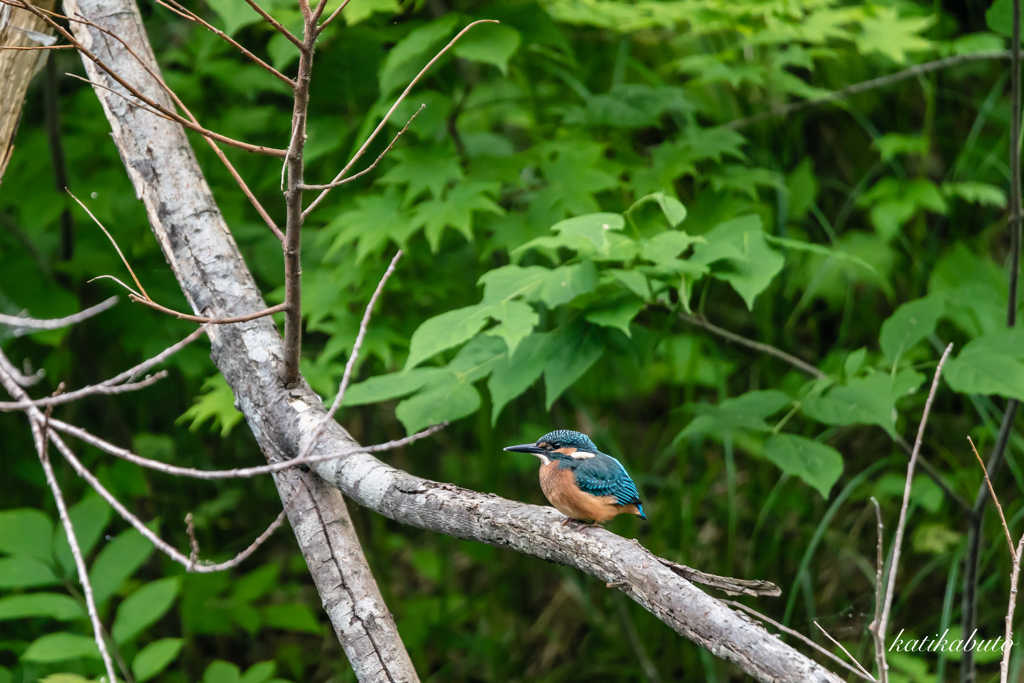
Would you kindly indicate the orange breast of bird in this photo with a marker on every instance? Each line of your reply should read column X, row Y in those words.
column 559, row 487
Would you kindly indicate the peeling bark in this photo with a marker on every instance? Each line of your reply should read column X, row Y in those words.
column 216, row 281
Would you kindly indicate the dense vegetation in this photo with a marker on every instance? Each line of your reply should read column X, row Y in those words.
column 581, row 180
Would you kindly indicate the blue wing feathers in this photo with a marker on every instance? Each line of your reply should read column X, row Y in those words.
column 603, row 475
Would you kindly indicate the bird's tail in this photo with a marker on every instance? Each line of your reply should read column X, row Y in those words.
column 640, row 511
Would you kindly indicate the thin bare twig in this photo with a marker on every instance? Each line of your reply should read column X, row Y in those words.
column 883, row 668
column 21, row 378
column 387, row 116
column 239, row 473
column 186, row 13
column 181, row 105
column 796, row 634
column 112, row 241
column 190, row 529
column 371, row 166
column 890, row 589
column 47, row 16
column 277, row 25
column 1004, row 665
column 995, row 499
column 20, row 323
column 751, row 344
column 865, row 86
column 37, row 47
column 141, row 527
column 94, row 390
column 40, row 438
column 845, row 651
column 347, row 375
column 331, row 18
column 203, row 320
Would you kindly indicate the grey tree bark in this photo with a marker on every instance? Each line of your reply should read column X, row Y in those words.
column 203, row 255
column 216, row 281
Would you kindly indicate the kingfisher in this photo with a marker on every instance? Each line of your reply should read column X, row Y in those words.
column 580, row 481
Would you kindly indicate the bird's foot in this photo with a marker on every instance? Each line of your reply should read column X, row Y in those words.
column 579, row 524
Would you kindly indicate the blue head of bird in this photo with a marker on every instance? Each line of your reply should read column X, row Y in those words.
column 561, row 444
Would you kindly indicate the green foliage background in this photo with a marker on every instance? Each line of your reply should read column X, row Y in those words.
column 572, row 186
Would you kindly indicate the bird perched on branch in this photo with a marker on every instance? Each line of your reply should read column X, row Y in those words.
column 580, row 481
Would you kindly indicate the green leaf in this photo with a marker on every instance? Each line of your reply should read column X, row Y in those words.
column 62, row 678
column 291, row 617
column 889, row 34
column 118, row 560
column 50, row 605
column 27, row 533
column 256, row 583
column 820, row 249
column 516, row 372
column 222, row 672
column 411, row 53
column 893, row 144
column 632, row 280
column 387, row 387
column 990, row 364
column 863, row 400
column 60, row 647
column 854, row 362
column 259, row 673
column 817, row 464
column 143, row 608
column 909, row 324
column 155, row 657
column 89, row 517
column 489, row 44
column 24, row 572
column 999, row 18
column 746, row 412
column 517, row 320
column 456, row 211
column 376, row 220
column 216, row 403
column 675, row 212
column 565, row 283
column 234, row 13
column 573, row 350
column 446, row 397
column 512, row 282
column 431, row 169
column 360, row 11
column 757, row 264
column 976, row 193
column 893, row 203
column 745, row 179
column 618, row 316
column 445, row 331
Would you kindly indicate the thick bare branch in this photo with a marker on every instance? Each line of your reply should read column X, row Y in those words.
column 21, row 378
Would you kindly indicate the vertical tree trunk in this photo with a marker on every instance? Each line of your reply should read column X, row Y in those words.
column 16, row 69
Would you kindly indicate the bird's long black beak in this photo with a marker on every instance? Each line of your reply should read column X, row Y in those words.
column 525, row 448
